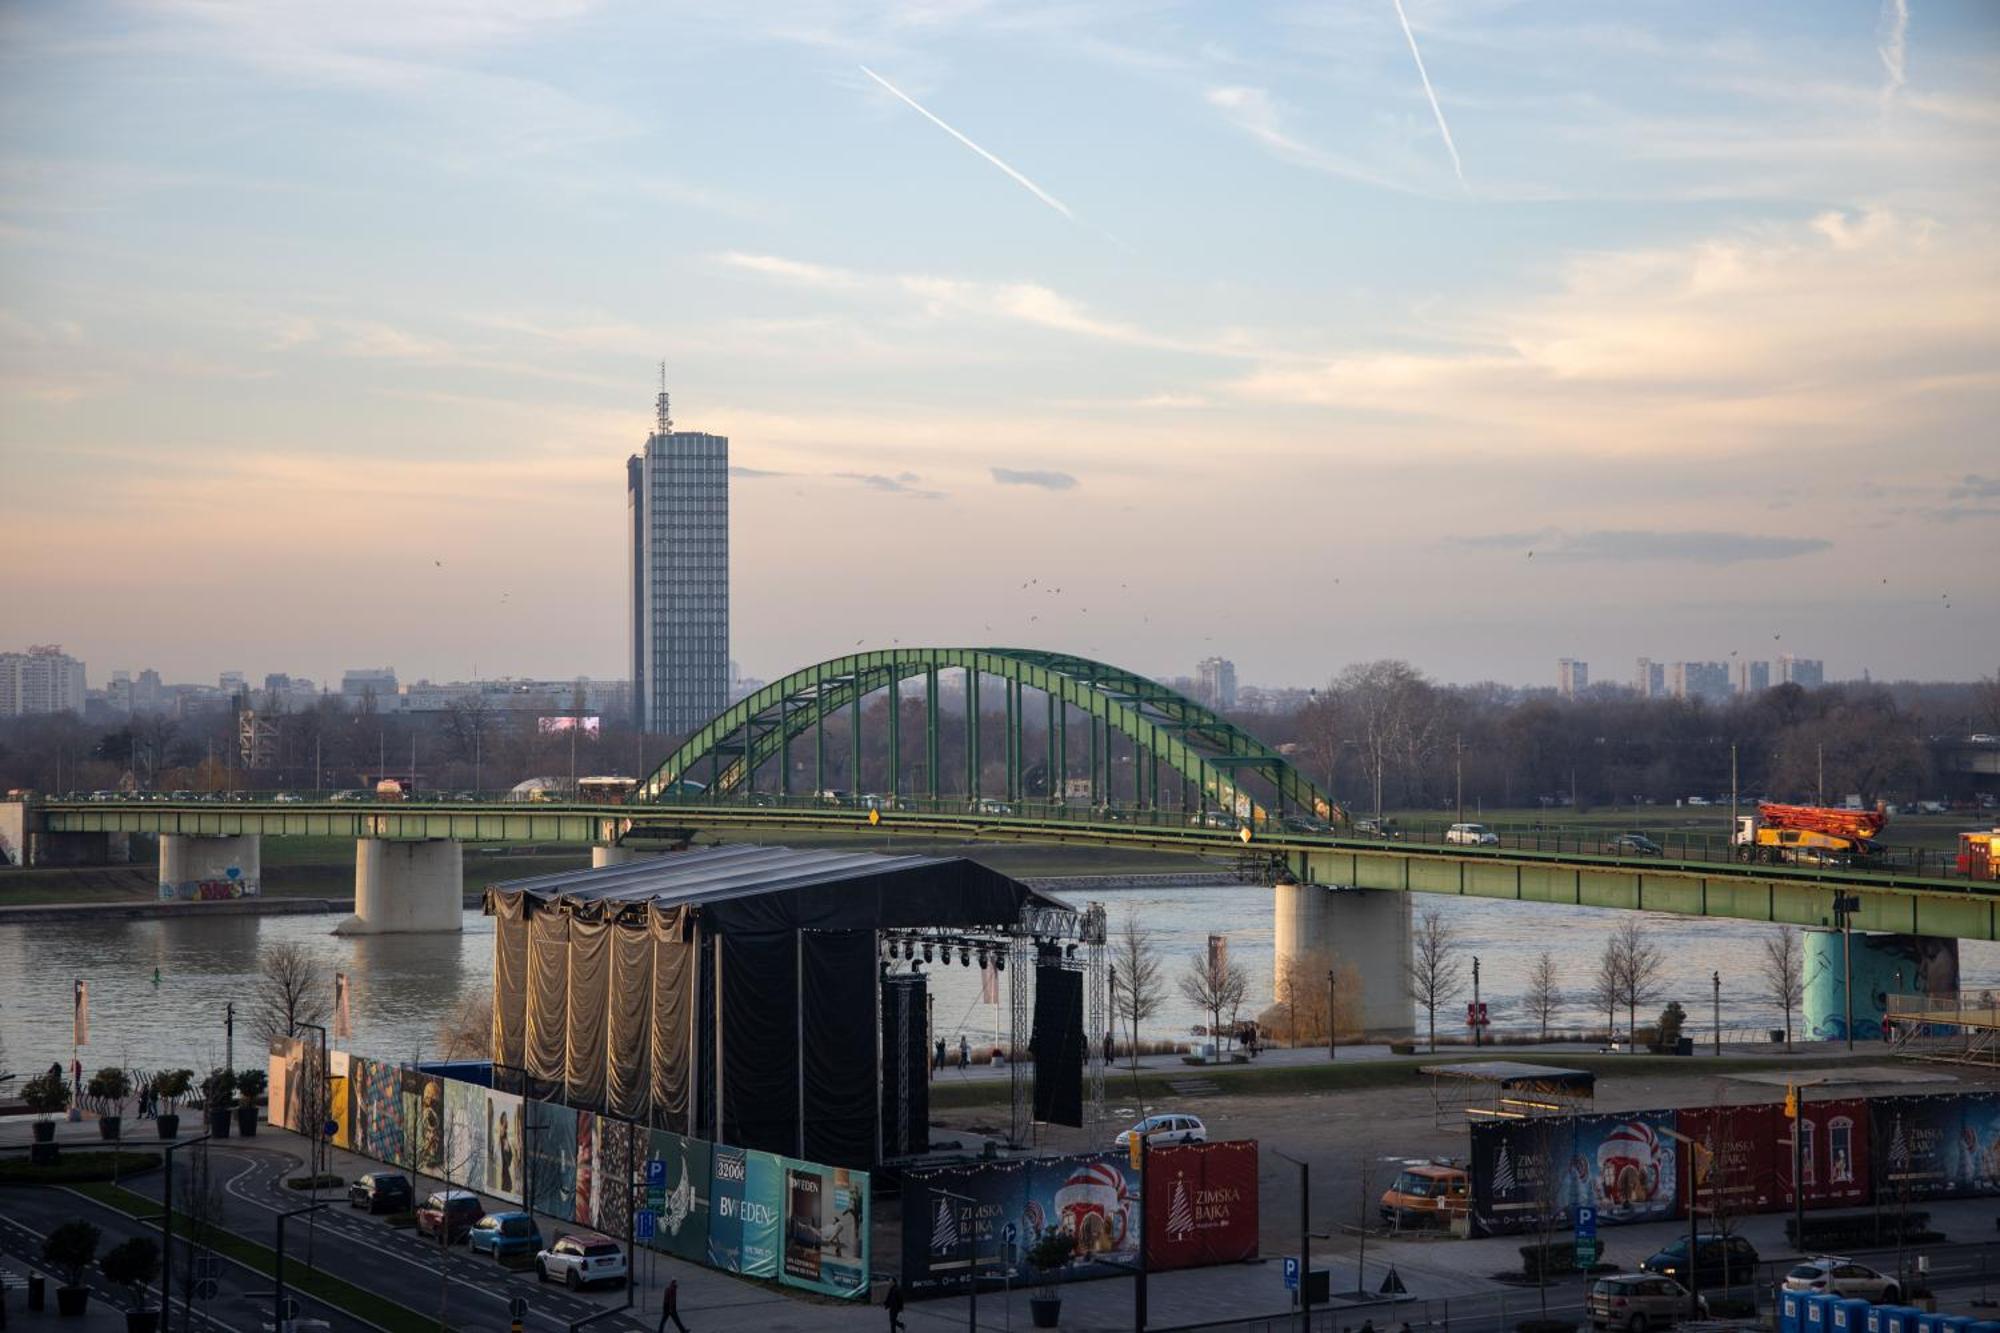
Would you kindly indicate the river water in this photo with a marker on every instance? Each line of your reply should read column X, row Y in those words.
column 401, row 985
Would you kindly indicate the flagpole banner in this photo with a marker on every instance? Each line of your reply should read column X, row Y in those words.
column 343, row 1019
column 503, row 1145
column 1521, row 1174
column 1200, row 1205
column 80, row 1035
column 826, row 1229
column 683, row 1207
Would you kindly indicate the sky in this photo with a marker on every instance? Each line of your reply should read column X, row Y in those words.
column 1469, row 332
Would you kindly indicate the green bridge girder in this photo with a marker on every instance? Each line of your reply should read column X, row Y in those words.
column 1889, row 900
column 1211, row 756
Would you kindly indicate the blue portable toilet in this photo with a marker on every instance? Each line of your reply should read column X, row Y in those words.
column 1877, row 1320
column 1957, row 1323
column 1815, row 1307
column 1931, row 1323
column 1900, row 1319
column 1791, row 1312
column 1984, row 1326
column 1846, row 1314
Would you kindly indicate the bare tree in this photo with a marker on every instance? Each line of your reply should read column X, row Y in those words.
column 1213, row 985
column 1639, row 966
column 1135, row 987
column 466, row 1033
column 292, row 988
column 1436, row 972
column 1604, row 984
column 1783, row 974
column 1544, row 990
column 1302, row 991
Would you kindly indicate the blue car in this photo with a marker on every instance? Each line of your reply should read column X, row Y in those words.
column 502, row 1234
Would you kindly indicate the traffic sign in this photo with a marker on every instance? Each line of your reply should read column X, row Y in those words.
column 1586, row 1222
column 874, row 817
column 518, row 1308
column 645, row 1224
column 205, row 1289
column 332, row 1129
column 656, row 1171
column 1587, row 1250
column 1291, row 1272
column 1008, row 1232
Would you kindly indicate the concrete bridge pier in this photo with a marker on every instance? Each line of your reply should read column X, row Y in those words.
column 403, row 887
column 196, row 868
column 611, row 854
column 1365, row 929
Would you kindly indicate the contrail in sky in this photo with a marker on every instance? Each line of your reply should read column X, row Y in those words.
column 1436, row 110
column 1019, row 179
column 1893, row 50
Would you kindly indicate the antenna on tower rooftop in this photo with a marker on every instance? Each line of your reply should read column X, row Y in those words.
column 666, row 421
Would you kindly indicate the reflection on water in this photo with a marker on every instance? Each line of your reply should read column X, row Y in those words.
column 402, row 985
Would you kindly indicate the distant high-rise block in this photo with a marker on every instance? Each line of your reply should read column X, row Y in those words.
column 1809, row 672
column 1572, row 677
column 1698, row 680
column 374, row 685
column 677, row 491
column 1753, row 677
column 1215, row 682
column 42, row 680
column 1649, row 679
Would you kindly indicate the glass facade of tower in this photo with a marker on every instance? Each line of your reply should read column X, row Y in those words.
column 678, row 496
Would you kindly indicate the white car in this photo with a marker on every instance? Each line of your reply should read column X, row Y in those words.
column 1835, row 1276
column 577, row 1261
column 1472, row 835
column 1165, row 1129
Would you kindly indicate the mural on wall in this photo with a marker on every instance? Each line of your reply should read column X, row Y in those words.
column 378, row 1110
column 502, row 1172
column 615, row 1165
column 423, row 1120
column 1093, row 1198
column 681, row 1205
column 1883, row 965
column 465, row 1134
column 551, row 1146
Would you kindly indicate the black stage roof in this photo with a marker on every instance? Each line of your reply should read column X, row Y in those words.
column 750, row 888
column 1517, row 1076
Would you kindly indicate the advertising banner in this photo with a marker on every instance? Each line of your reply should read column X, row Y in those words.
column 615, row 1164
column 826, row 1229
column 423, row 1124
column 502, row 1172
column 1201, row 1205
column 583, row 1190
column 745, row 1203
column 551, row 1143
column 681, row 1228
column 341, row 1092
column 1919, row 1145
column 1738, row 1170
column 465, row 1134
column 1521, row 1174
column 1978, row 1169
column 1094, row 1198
column 1834, row 1150
column 1628, row 1164
column 378, row 1110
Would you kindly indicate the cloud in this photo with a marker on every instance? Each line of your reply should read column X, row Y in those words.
column 1026, row 184
column 903, row 483
column 1252, row 111
column 752, row 473
column 1458, row 168
column 798, row 272
column 1975, row 487
column 1632, row 546
column 1048, row 481
column 1893, row 48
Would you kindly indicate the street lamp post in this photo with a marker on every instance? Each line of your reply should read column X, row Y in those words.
column 1305, row 1237
column 167, row 1231
column 1475, row 1001
column 319, row 1102
column 1332, row 1027
column 1715, row 982
column 279, row 1321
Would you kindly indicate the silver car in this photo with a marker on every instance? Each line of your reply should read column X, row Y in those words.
column 1635, row 1302
column 1832, row 1275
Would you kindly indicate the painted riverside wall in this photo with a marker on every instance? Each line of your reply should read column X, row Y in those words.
column 752, row 1213
column 1853, row 1151
column 1883, row 965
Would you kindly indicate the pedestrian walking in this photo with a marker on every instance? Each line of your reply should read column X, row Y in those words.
column 893, row 1303
column 670, row 1306
column 1107, row 1046
column 964, row 1052
column 937, row 1056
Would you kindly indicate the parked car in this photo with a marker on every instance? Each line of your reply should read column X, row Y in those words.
column 287, row 798
column 1221, row 819
column 1164, row 1129
column 577, row 1261
column 1635, row 1302
column 1844, row 1277
column 380, row 1192
column 1376, row 828
column 504, row 1234
column 450, row 1212
column 1294, row 822
column 1721, row 1261
column 1427, row 1193
column 1472, row 835
column 1632, row 844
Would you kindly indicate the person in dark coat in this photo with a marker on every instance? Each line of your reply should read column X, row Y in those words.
column 893, row 1303
column 670, row 1306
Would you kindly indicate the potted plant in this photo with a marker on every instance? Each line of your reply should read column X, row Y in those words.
column 109, row 1087
column 47, row 1095
column 217, row 1090
column 132, row 1265
column 250, row 1084
column 169, row 1087
column 69, row 1250
column 1049, row 1254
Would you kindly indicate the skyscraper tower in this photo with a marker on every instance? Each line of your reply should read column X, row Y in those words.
column 677, row 490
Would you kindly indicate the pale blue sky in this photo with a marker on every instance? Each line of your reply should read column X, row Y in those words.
column 298, row 300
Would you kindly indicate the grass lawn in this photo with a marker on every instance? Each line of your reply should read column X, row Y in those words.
column 76, row 1166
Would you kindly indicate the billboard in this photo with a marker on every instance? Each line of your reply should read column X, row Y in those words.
column 745, row 1205
column 1521, row 1174
column 1626, row 1165
column 1201, row 1205
column 502, row 1173
column 551, row 1144
column 588, row 725
column 465, row 1134
column 378, row 1110
column 1833, row 1150
column 423, row 1120
column 826, row 1229
column 681, row 1205
column 1093, row 1197
column 1737, row 1170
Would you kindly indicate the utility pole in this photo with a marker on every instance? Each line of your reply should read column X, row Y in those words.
column 1844, row 907
column 1458, row 767
column 1475, row 1001
column 229, row 1036
column 1715, row 980
column 1331, row 1026
column 1730, row 841
column 1820, row 750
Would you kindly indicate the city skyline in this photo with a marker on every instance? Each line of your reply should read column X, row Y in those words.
column 1674, row 326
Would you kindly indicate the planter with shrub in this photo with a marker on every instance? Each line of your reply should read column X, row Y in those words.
column 169, row 1090
column 47, row 1095
column 250, row 1084
column 218, row 1097
column 1048, row 1255
column 132, row 1265
column 69, row 1250
column 108, row 1089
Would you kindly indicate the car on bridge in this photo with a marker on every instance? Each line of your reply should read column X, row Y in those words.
column 1472, row 835
column 988, row 806
column 1298, row 822
column 1376, row 828
column 1632, row 844
column 1221, row 819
